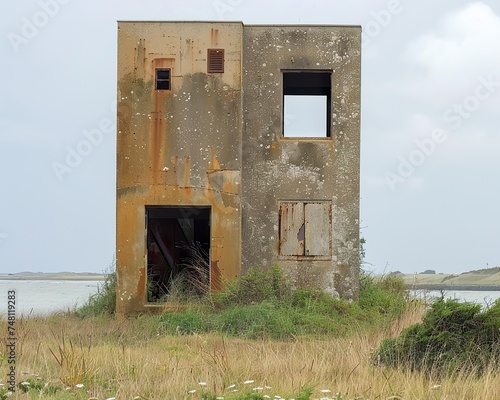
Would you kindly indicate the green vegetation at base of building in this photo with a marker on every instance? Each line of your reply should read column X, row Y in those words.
column 262, row 304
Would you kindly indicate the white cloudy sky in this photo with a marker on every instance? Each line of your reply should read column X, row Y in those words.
column 430, row 118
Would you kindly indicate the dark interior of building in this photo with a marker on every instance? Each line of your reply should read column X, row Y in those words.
column 178, row 250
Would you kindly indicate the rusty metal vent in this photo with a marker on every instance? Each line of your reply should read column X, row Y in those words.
column 215, row 60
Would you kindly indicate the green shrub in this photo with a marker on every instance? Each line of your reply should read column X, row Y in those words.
column 387, row 295
column 261, row 305
column 453, row 337
column 316, row 301
column 104, row 301
column 254, row 287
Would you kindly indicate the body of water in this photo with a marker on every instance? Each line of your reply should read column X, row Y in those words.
column 43, row 297
column 483, row 297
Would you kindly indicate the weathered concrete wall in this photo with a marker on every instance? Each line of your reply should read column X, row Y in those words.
column 278, row 169
column 215, row 139
column 179, row 146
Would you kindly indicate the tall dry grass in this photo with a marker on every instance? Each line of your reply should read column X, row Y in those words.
column 129, row 359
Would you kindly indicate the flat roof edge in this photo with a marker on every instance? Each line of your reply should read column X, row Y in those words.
column 180, row 21
column 240, row 22
column 304, row 25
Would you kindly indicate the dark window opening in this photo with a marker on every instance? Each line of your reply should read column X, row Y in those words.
column 305, row 230
column 215, row 60
column 178, row 251
column 163, row 79
column 306, row 104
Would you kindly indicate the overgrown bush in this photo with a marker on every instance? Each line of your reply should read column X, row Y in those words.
column 254, row 287
column 261, row 304
column 387, row 294
column 453, row 338
column 104, row 301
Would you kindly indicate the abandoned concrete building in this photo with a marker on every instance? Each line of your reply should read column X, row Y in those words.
column 237, row 146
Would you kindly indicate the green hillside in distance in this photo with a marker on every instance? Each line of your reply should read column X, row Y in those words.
column 482, row 279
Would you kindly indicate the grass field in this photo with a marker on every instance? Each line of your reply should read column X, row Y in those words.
column 70, row 356
column 129, row 359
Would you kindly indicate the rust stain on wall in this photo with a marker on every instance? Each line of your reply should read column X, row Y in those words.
column 187, row 171
column 157, row 136
column 216, row 276
column 214, row 37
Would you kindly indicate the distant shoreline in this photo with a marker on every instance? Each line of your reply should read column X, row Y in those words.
column 476, row 288
column 54, row 276
column 480, row 280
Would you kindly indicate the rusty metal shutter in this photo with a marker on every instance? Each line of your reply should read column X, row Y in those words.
column 215, row 60
column 292, row 235
column 318, row 229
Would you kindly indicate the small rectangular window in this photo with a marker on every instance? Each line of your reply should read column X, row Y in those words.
column 163, row 79
column 305, row 230
column 306, row 103
column 215, row 60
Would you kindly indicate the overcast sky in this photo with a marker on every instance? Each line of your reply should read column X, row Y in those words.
column 430, row 126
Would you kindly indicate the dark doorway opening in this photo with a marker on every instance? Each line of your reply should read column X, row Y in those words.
column 178, row 250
